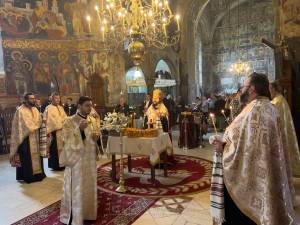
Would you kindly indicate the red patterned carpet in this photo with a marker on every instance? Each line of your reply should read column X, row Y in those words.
column 113, row 209
column 187, row 176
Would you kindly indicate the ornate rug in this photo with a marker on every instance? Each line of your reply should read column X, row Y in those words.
column 113, row 209
column 187, row 175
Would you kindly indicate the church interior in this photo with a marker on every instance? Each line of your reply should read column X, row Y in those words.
column 113, row 112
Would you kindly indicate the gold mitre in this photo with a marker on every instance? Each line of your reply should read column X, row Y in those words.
column 157, row 93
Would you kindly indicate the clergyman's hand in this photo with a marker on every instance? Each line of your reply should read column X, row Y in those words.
column 218, row 146
column 83, row 124
column 95, row 136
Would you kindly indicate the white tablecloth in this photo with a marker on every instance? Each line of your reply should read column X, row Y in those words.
column 142, row 146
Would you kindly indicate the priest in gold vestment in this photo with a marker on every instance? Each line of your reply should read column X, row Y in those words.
column 24, row 146
column 257, row 179
column 157, row 114
column 287, row 127
column 81, row 133
column 54, row 117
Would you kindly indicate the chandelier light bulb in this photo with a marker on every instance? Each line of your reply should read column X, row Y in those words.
column 88, row 18
column 177, row 17
column 97, row 8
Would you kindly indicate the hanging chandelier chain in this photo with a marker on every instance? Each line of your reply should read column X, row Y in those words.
column 152, row 22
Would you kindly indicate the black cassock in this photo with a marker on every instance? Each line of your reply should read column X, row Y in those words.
column 25, row 172
column 53, row 161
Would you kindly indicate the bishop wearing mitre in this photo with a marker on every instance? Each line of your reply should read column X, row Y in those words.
column 157, row 114
column 81, row 134
column 54, row 117
column 24, row 147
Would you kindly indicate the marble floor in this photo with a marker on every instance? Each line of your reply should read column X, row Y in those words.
column 18, row 200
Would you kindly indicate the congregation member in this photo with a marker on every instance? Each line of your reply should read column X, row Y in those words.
column 54, row 117
column 257, row 185
column 146, row 104
column 38, row 104
column 122, row 107
column 24, row 149
column 157, row 114
column 287, row 125
column 79, row 201
column 46, row 103
column 70, row 109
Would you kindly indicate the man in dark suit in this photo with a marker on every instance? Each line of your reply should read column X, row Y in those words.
column 70, row 108
column 122, row 107
column 146, row 104
column 48, row 102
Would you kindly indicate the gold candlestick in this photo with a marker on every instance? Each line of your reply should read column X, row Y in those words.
column 121, row 188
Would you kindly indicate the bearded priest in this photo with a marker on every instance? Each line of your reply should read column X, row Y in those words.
column 288, row 128
column 157, row 114
column 257, row 181
column 24, row 147
column 54, row 117
column 81, row 133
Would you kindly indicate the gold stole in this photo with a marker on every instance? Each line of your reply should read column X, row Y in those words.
column 55, row 117
column 26, row 123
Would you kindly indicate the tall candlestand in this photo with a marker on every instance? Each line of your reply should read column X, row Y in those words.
column 185, row 124
column 121, row 188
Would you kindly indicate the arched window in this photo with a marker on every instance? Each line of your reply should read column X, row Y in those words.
column 136, row 86
column 163, row 78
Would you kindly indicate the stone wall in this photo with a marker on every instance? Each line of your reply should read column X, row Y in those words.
column 237, row 37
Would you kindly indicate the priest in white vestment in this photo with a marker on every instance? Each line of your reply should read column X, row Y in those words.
column 54, row 117
column 287, row 126
column 80, row 133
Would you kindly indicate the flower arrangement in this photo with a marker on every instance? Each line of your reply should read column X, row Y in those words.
column 115, row 121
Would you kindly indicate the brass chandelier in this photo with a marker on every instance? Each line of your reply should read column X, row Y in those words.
column 140, row 23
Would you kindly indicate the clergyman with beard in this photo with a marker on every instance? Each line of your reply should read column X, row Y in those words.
column 254, row 185
column 24, row 147
column 157, row 114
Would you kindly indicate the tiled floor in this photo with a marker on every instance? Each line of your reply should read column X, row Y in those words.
column 18, row 200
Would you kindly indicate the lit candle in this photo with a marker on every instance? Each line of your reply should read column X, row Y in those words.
column 212, row 116
column 168, row 7
column 102, row 30
column 88, row 18
column 223, row 112
column 165, row 30
column 98, row 13
column 177, row 21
